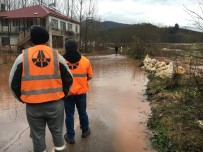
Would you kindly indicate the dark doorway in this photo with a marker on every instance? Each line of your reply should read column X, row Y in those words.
column 57, row 41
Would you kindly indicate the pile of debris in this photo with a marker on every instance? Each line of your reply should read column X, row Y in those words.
column 161, row 68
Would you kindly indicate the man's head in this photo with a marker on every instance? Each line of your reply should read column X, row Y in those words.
column 39, row 35
column 71, row 45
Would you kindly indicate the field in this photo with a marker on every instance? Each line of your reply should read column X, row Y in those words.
column 177, row 103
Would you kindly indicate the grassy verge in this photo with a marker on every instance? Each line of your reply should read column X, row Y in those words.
column 177, row 108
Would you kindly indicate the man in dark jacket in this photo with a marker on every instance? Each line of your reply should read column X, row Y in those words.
column 41, row 78
column 81, row 70
column 116, row 49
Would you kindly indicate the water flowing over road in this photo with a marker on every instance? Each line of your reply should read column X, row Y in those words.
column 117, row 109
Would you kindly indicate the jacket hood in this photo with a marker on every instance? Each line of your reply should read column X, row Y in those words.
column 72, row 57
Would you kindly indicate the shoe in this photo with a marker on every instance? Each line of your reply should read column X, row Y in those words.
column 85, row 132
column 69, row 140
column 64, row 150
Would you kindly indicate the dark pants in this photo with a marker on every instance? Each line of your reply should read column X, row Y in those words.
column 50, row 113
column 80, row 102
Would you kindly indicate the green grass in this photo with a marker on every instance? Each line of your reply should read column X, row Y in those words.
column 175, row 112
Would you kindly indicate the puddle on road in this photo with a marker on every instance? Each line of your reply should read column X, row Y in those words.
column 116, row 98
column 12, row 113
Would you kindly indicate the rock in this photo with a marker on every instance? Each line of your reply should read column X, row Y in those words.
column 171, row 69
column 161, row 74
column 153, row 61
column 180, row 70
column 147, row 60
column 200, row 123
column 143, row 68
column 160, row 64
column 161, row 69
column 167, row 71
column 153, row 69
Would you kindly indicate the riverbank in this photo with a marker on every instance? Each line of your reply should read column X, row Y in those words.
column 177, row 111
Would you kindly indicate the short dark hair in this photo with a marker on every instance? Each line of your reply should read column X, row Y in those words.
column 71, row 45
column 39, row 35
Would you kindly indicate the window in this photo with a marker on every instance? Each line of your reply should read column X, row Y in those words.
column 5, row 41
column 63, row 26
column 54, row 23
column 29, row 22
column 76, row 29
column 15, row 22
column 4, row 22
column 70, row 27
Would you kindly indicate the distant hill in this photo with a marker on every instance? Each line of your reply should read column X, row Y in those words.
column 191, row 28
column 114, row 32
column 112, row 25
column 107, row 25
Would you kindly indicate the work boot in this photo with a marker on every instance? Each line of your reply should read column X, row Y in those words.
column 69, row 140
column 85, row 132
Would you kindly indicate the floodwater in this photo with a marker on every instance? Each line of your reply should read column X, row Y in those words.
column 117, row 109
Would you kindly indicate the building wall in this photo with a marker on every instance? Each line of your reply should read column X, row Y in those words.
column 14, row 39
column 68, row 24
column 22, row 26
column 54, row 25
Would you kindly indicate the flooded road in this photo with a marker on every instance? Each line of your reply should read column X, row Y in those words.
column 117, row 110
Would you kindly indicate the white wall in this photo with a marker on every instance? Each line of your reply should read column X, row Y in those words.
column 67, row 22
column 14, row 39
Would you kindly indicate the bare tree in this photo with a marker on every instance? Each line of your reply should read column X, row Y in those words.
column 196, row 18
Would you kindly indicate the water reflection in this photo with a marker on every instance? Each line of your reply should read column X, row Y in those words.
column 116, row 98
column 12, row 114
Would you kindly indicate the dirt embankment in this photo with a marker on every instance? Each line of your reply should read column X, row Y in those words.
column 177, row 108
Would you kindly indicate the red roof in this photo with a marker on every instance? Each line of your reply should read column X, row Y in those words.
column 37, row 11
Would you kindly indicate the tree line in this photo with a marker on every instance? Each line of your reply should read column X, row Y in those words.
column 149, row 33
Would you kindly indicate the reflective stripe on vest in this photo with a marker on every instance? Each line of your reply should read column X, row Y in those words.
column 80, row 75
column 34, row 92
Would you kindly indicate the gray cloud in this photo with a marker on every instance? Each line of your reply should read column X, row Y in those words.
column 162, row 12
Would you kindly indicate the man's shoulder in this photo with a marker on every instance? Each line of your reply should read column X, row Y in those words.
column 84, row 57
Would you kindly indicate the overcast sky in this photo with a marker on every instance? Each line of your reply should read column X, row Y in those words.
column 157, row 12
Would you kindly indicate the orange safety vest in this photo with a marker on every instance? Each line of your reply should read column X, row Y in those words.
column 41, row 78
column 81, row 71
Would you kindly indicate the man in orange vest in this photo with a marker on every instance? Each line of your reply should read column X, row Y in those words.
column 82, row 72
column 41, row 78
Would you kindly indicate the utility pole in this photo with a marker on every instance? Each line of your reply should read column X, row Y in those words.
column 68, row 7
column 81, row 6
column 88, row 21
column 86, row 36
column 72, row 8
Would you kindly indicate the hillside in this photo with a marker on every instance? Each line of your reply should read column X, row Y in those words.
column 113, row 32
column 104, row 26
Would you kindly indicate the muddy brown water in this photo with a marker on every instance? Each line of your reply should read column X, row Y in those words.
column 117, row 109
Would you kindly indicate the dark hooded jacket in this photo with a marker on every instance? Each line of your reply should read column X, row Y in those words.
column 71, row 54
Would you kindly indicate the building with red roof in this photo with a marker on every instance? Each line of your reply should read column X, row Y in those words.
column 15, row 26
